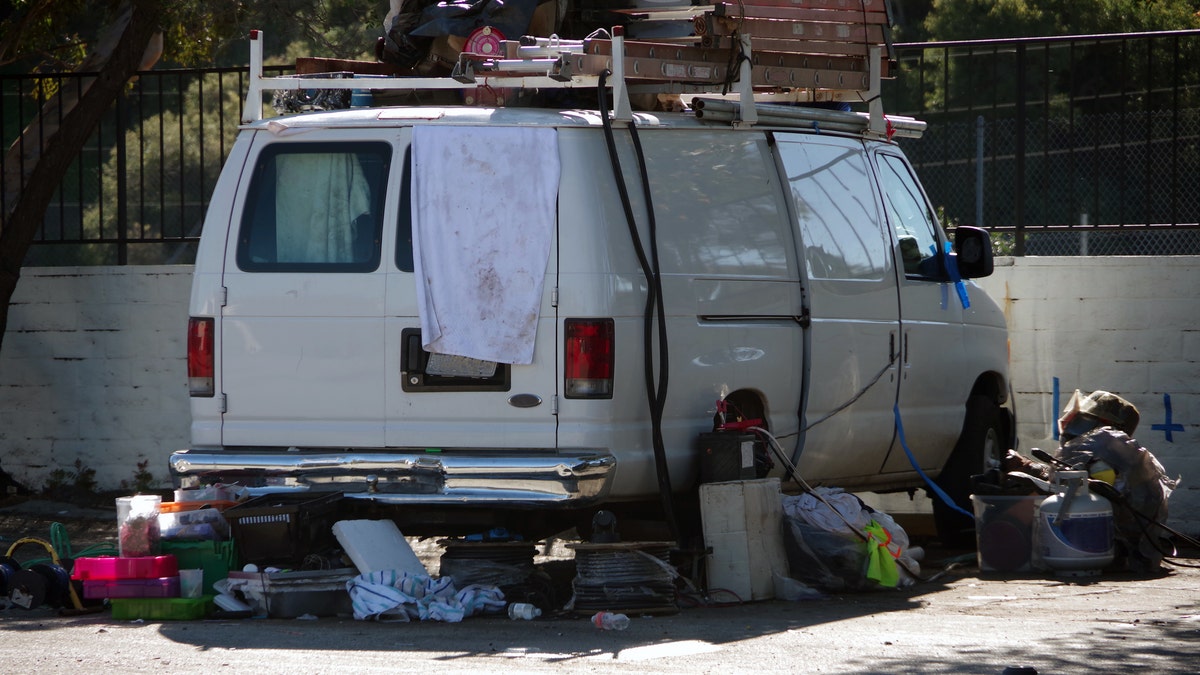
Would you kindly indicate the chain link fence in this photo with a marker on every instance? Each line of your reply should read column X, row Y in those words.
column 1083, row 145
column 1093, row 184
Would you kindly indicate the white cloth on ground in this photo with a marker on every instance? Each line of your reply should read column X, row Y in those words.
column 808, row 508
column 394, row 595
column 484, row 209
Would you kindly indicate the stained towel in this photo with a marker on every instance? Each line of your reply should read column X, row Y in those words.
column 393, row 595
column 483, row 208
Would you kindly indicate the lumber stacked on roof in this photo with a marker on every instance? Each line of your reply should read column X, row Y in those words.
column 795, row 44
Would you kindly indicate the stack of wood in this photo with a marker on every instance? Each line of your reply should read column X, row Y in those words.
column 795, row 44
column 815, row 45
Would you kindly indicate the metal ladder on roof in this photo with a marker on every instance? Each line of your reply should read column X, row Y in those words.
column 812, row 51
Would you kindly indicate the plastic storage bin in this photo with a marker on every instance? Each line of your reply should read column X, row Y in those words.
column 282, row 529
column 1004, row 531
column 110, row 568
column 193, row 525
column 176, row 507
column 161, row 609
column 287, row 595
column 167, row 587
column 215, row 558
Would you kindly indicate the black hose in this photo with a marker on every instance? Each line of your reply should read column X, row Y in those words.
column 656, row 394
column 664, row 370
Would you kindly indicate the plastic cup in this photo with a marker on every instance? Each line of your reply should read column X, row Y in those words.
column 191, row 583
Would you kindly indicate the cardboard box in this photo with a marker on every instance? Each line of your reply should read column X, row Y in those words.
column 741, row 522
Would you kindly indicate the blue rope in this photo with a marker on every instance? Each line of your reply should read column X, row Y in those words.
column 913, row 460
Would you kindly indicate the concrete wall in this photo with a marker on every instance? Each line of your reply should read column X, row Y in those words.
column 93, row 364
column 93, row 367
column 1129, row 325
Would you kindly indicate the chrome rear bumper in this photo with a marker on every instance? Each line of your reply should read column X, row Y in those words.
column 553, row 479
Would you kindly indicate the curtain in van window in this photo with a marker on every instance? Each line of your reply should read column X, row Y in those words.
column 318, row 200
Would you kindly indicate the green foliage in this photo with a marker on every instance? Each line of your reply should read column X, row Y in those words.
column 979, row 19
column 73, row 486
column 172, row 160
column 1003, row 243
column 55, row 35
column 143, row 480
column 1092, row 76
column 51, row 32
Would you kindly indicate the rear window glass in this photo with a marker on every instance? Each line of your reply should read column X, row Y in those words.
column 315, row 207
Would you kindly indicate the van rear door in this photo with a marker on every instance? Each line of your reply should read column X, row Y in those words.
column 439, row 403
column 302, row 331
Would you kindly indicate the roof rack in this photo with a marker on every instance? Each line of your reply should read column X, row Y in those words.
column 806, row 51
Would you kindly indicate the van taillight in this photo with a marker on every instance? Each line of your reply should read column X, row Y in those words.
column 589, row 358
column 200, row 356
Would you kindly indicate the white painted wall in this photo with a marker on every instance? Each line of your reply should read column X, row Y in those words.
column 1129, row 325
column 93, row 367
column 93, row 364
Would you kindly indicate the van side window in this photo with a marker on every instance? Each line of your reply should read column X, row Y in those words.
column 404, row 245
column 838, row 220
column 717, row 208
column 315, row 207
column 910, row 216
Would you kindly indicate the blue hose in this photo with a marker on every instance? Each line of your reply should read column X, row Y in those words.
column 928, row 481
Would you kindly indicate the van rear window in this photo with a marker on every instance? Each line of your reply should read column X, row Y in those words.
column 315, row 207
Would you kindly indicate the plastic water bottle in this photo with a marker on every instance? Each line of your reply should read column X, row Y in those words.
column 523, row 611
column 610, row 621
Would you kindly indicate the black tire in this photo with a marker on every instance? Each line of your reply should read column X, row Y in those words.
column 984, row 436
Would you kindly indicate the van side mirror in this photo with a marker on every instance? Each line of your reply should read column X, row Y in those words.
column 973, row 246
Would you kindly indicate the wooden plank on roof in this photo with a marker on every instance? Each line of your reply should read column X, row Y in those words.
column 781, row 11
column 840, row 56
column 793, row 30
column 311, row 65
column 870, row 6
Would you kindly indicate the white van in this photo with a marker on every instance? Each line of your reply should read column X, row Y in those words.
column 446, row 308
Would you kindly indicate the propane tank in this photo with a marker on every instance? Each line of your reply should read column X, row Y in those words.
column 1073, row 528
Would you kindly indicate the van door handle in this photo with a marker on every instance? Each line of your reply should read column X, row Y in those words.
column 892, row 347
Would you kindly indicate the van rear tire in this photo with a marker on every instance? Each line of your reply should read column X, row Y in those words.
column 984, row 435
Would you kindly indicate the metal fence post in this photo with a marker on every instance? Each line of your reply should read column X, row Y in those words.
column 979, row 131
column 122, row 182
column 1019, row 247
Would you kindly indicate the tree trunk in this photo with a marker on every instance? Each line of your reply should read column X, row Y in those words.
column 37, row 161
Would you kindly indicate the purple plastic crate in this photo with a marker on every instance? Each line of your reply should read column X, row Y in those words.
column 166, row 587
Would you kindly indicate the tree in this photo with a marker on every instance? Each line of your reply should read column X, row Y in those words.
column 37, row 160
column 1096, row 76
column 111, row 40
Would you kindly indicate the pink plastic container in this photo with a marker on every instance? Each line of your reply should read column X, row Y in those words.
column 111, row 568
column 166, row 587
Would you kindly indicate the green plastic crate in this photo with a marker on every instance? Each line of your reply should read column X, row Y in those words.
column 216, row 558
column 161, row 609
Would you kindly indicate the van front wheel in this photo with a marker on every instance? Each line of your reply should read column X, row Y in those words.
column 983, row 436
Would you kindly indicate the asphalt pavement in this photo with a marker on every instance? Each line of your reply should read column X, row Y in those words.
column 964, row 622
